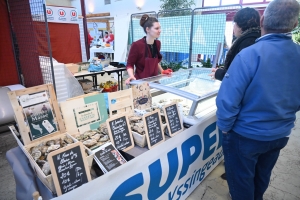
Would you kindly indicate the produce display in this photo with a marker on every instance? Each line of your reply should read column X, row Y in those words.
column 94, row 138
column 136, row 120
column 40, row 152
column 109, row 86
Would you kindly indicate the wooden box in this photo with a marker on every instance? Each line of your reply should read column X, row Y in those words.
column 74, row 68
column 25, row 129
column 139, row 139
column 92, row 103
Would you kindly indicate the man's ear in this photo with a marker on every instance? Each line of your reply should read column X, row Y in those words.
column 262, row 18
column 296, row 24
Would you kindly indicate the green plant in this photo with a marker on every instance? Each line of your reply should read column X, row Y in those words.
column 175, row 66
column 206, row 64
column 176, row 4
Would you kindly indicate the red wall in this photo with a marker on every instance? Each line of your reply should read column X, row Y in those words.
column 8, row 69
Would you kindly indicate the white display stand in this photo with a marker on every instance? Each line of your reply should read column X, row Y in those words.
column 171, row 170
column 94, row 50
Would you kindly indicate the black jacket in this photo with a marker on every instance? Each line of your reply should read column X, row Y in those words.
column 246, row 40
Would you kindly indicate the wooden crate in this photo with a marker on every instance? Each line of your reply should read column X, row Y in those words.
column 24, row 129
column 70, row 122
column 121, row 101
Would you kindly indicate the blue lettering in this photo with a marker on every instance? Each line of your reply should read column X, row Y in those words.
column 179, row 192
column 209, row 141
column 188, row 159
column 186, row 186
column 171, row 195
column 155, row 170
column 128, row 186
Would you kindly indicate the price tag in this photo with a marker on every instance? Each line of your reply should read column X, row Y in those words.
column 119, row 132
column 173, row 119
column 153, row 129
column 69, row 168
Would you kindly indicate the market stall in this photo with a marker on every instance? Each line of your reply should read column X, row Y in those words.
column 153, row 155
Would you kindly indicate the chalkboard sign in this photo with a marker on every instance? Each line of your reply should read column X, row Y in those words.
column 119, row 132
column 108, row 157
column 173, row 119
column 153, row 129
column 68, row 167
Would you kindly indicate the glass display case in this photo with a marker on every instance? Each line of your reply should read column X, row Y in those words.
column 193, row 90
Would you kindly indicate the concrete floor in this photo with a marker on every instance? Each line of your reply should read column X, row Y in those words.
column 284, row 185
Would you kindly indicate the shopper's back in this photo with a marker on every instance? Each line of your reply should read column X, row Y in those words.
column 273, row 95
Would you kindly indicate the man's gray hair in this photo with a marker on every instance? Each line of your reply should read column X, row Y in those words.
column 281, row 15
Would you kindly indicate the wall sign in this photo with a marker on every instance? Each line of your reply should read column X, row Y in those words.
column 69, row 168
column 119, row 132
column 62, row 15
column 154, row 131
column 173, row 119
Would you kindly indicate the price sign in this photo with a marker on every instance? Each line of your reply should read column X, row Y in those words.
column 173, row 119
column 69, row 168
column 154, row 131
column 119, row 132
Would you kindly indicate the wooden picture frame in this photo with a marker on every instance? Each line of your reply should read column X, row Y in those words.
column 168, row 122
column 110, row 133
column 19, row 113
column 156, row 112
column 53, row 168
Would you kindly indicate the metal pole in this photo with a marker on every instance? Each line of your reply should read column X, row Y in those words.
column 219, row 47
column 87, row 46
column 191, row 40
column 49, row 45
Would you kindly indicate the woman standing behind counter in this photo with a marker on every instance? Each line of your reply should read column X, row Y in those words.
column 246, row 29
column 145, row 53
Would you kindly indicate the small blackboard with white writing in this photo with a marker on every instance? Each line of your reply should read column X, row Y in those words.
column 119, row 132
column 153, row 129
column 69, row 168
column 173, row 119
column 108, row 157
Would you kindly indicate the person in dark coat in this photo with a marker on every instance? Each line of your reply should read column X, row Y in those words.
column 246, row 29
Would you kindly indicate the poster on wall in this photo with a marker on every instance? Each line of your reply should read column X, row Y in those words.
column 62, row 14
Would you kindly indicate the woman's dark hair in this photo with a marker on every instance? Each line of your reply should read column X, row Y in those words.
column 106, row 32
column 147, row 21
column 247, row 18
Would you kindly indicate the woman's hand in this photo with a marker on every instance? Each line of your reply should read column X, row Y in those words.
column 129, row 79
column 167, row 71
column 213, row 72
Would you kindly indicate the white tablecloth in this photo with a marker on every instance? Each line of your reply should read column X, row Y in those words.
column 94, row 50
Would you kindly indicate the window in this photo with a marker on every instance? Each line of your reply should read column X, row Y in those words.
column 253, row 1
column 211, row 3
column 230, row 2
column 106, row 2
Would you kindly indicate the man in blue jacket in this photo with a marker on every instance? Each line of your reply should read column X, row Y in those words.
column 258, row 100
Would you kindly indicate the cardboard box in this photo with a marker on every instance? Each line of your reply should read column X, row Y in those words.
column 86, row 84
column 74, row 68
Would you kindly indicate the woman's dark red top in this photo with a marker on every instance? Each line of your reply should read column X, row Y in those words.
column 137, row 52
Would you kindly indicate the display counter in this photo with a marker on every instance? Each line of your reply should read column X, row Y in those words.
column 193, row 90
column 170, row 169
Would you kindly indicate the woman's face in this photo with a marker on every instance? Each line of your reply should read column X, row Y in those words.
column 154, row 31
column 237, row 31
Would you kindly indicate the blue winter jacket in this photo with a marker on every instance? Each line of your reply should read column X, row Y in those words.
column 260, row 93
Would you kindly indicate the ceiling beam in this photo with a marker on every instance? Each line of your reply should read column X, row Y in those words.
column 97, row 20
column 98, row 15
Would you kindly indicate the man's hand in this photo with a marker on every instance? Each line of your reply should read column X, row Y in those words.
column 213, row 72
